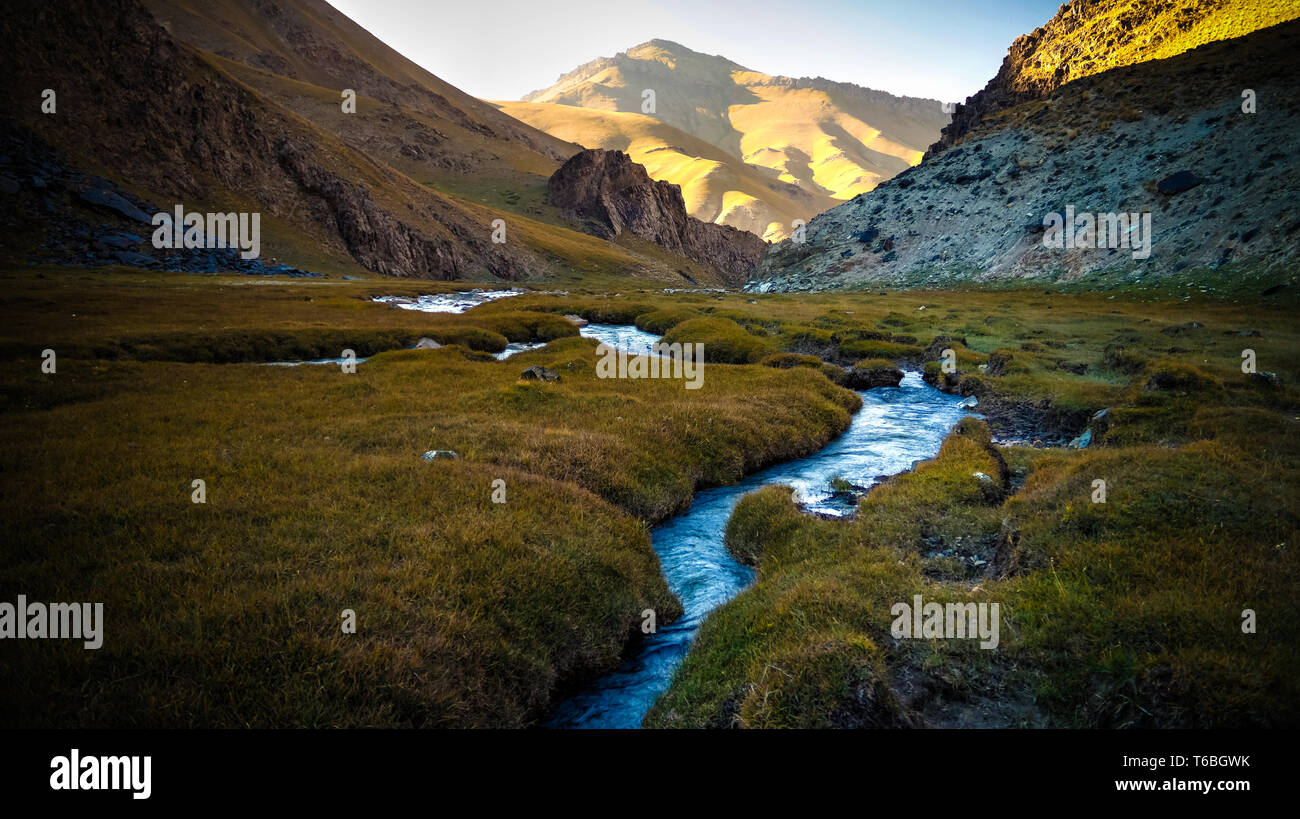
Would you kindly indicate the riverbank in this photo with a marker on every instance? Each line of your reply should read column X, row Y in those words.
column 1147, row 580
column 896, row 427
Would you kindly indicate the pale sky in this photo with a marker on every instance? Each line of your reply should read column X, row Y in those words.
column 502, row 49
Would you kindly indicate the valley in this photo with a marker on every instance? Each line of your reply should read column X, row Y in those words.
column 442, row 578
column 671, row 395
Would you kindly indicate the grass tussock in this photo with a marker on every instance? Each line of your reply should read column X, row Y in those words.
column 724, row 340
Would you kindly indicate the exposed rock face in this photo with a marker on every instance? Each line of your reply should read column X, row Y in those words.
column 609, row 194
column 311, row 42
column 1088, row 37
column 1167, row 138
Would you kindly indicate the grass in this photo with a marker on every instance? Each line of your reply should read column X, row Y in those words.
column 724, row 340
column 472, row 613
column 1120, row 614
column 1115, row 614
column 122, row 313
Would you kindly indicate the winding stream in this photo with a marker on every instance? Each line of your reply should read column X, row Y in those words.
column 896, row 427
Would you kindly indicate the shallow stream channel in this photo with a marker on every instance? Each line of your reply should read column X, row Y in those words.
column 896, row 427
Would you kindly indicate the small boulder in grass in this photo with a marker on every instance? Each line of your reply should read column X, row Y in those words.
column 427, row 344
column 578, row 320
column 439, row 454
column 989, row 488
column 536, row 373
column 1100, row 421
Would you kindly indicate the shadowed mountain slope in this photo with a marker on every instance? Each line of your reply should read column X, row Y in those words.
column 237, row 106
column 1087, row 37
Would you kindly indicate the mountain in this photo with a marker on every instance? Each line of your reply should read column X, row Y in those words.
column 301, row 53
column 1170, row 138
column 716, row 186
column 748, row 149
column 1087, row 37
column 235, row 106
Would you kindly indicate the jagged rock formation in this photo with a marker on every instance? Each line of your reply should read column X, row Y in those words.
column 1087, row 37
column 609, row 194
column 1165, row 137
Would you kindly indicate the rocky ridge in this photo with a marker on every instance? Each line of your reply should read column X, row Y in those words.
column 1087, row 37
column 176, row 130
column 1167, row 137
column 608, row 194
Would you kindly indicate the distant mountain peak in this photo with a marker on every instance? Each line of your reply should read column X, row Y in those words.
column 675, row 49
column 776, row 150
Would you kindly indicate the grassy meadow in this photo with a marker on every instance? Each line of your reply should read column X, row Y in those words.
column 475, row 613
column 227, row 613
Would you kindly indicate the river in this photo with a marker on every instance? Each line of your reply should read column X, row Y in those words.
column 896, row 427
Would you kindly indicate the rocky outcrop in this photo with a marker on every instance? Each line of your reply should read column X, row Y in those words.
column 608, row 194
column 1087, row 37
column 538, row 373
column 1165, row 139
